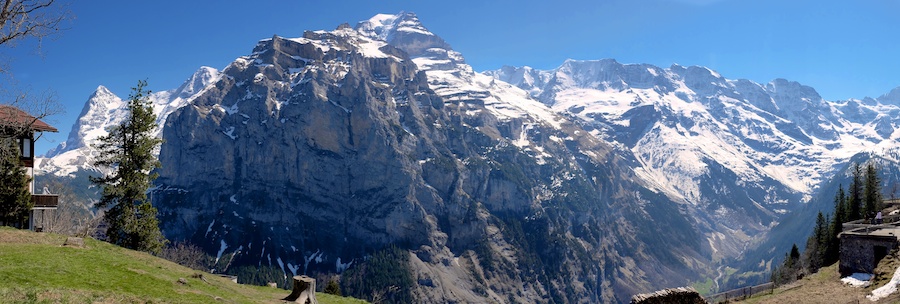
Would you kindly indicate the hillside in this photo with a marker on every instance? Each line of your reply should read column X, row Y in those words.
column 35, row 268
column 825, row 286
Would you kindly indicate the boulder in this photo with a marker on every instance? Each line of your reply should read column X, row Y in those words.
column 74, row 242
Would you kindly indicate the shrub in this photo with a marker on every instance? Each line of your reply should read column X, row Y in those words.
column 333, row 288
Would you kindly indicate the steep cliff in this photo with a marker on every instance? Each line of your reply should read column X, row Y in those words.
column 313, row 153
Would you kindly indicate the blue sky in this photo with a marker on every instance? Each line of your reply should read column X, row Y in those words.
column 844, row 49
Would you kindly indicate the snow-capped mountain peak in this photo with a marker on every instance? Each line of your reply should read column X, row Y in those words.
column 762, row 130
column 101, row 108
column 384, row 26
column 199, row 80
column 102, row 93
column 403, row 30
column 892, row 97
column 104, row 109
column 448, row 74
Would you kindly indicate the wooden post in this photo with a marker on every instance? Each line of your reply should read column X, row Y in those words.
column 304, row 290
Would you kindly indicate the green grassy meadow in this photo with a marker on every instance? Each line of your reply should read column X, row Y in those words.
column 36, row 268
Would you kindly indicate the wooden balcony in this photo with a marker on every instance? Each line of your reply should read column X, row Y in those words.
column 45, row 201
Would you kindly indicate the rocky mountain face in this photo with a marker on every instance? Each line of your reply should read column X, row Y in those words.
column 742, row 154
column 586, row 183
column 312, row 153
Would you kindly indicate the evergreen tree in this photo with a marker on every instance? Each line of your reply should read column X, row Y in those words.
column 794, row 256
column 841, row 207
column 872, row 191
column 855, row 194
column 817, row 244
column 789, row 270
column 832, row 246
column 822, row 246
column 15, row 197
column 128, row 151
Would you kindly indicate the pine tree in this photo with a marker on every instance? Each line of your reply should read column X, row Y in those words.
column 837, row 221
column 128, row 151
column 872, row 191
column 15, row 197
column 854, row 197
column 789, row 270
column 840, row 206
column 817, row 244
column 795, row 253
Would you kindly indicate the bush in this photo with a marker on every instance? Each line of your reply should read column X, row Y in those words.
column 187, row 255
column 333, row 288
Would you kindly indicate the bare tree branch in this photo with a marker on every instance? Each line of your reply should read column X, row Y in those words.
column 29, row 18
column 23, row 19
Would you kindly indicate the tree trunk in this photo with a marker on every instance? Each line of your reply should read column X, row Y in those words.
column 304, row 290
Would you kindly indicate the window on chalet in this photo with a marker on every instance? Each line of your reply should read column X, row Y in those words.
column 25, row 147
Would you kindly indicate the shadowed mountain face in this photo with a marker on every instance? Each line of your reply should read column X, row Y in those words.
column 312, row 153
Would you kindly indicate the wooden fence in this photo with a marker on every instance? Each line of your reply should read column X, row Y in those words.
column 740, row 293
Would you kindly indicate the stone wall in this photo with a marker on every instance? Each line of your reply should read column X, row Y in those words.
column 858, row 252
column 680, row 295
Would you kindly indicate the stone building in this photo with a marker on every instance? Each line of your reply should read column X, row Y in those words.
column 862, row 248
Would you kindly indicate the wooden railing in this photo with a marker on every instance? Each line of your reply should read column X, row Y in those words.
column 45, row 200
column 889, row 221
column 740, row 293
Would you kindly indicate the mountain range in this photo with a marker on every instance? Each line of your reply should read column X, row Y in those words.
column 586, row 183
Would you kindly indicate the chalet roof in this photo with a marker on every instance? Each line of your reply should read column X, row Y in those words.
column 10, row 115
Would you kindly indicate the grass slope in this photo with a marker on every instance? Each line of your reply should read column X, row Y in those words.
column 35, row 268
column 825, row 286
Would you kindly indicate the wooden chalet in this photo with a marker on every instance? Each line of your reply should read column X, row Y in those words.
column 16, row 123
